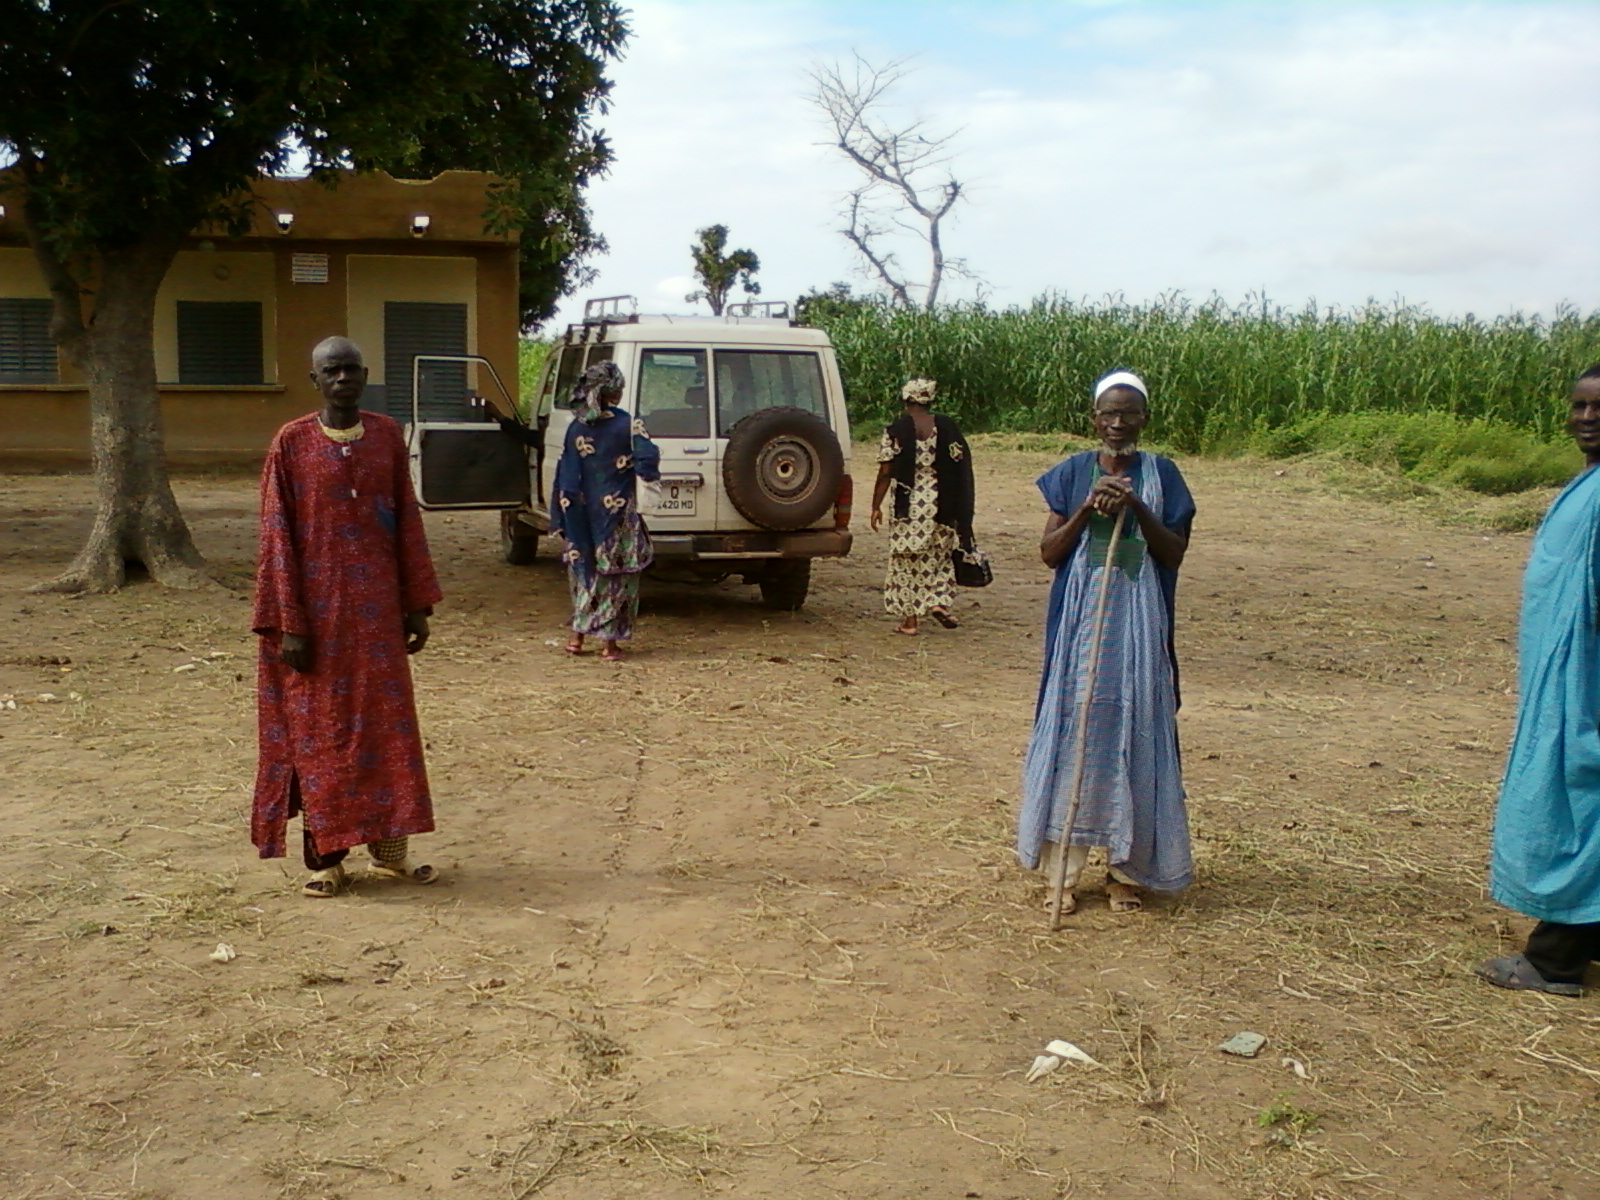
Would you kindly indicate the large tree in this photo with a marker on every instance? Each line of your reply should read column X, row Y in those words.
column 133, row 123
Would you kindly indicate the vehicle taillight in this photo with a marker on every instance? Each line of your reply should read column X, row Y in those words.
column 843, row 503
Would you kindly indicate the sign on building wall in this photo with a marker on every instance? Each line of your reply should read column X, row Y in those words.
column 308, row 268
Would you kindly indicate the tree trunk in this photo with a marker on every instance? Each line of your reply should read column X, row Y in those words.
column 936, row 253
column 137, row 521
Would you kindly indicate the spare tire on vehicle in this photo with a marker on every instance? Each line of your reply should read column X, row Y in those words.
column 782, row 468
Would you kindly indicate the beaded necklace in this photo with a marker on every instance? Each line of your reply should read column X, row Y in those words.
column 342, row 435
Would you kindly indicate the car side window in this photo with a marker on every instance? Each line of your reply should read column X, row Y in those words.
column 751, row 380
column 673, row 400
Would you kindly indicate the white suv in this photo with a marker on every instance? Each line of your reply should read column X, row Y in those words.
column 748, row 411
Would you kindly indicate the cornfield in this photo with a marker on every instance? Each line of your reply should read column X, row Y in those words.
column 1219, row 375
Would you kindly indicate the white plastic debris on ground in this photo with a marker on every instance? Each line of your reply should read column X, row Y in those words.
column 1054, row 1054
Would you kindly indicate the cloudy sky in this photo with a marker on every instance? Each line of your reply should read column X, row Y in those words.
column 1444, row 152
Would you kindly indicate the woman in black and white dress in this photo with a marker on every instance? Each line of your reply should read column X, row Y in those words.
column 927, row 465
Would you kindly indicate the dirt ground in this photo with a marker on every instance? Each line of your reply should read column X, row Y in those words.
column 741, row 917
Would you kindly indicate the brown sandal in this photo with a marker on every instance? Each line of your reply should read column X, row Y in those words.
column 403, row 869
column 1069, row 902
column 326, row 884
column 1124, row 897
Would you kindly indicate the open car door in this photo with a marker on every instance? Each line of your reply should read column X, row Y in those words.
column 459, row 455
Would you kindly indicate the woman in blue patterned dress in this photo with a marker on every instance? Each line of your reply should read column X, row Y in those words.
column 593, row 507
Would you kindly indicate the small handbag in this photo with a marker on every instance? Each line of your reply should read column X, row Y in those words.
column 971, row 564
column 646, row 496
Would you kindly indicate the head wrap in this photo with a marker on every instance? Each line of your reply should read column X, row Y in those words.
column 601, row 380
column 919, row 390
column 1118, row 379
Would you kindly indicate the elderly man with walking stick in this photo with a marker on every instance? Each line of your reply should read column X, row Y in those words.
column 1102, row 766
column 1546, row 860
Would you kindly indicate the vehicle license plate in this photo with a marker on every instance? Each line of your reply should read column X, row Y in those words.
column 678, row 499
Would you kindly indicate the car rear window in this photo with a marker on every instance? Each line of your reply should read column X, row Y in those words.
column 751, row 380
column 673, row 401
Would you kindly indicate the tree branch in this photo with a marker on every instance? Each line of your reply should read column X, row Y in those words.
column 66, row 323
column 860, row 235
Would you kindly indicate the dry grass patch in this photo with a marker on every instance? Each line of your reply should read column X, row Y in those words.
column 569, row 1146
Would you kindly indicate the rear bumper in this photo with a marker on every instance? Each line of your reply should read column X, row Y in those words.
column 807, row 543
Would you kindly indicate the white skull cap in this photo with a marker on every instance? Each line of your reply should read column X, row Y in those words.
column 1121, row 379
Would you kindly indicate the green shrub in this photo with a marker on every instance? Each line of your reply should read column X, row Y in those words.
column 1492, row 476
column 1431, row 447
column 531, row 355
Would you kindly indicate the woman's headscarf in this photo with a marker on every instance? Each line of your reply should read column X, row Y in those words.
column 919, row 391
column 601, row 380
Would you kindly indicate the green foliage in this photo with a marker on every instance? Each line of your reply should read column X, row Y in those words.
column 1433, row 447
column 531, row 356
column 718, row 272
column 132, row 121
column 1287, row 1121
column 1282, row 1112
column 820, row 306
column 1220, row 376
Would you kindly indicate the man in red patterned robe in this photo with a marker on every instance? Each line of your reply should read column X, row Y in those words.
column 344, row 589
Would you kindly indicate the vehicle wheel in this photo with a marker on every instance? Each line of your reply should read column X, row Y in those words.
column 519, row 543
column 782, row 468
column 785, row 584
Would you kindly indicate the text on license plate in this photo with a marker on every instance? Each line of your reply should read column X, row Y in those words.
column 678, row 499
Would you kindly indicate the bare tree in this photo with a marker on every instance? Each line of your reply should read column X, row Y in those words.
column 909, row 184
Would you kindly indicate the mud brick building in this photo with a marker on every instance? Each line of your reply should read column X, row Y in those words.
column 403, row 267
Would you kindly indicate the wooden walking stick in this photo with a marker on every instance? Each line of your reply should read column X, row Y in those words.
column 1091, row 669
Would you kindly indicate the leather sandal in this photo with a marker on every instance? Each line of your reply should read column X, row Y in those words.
column 324, row 885
column 1069, row 902
column 1124, row 897
column 402, row 869
column 1519, row 975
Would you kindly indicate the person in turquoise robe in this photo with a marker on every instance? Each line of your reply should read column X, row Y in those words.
column 1546, row 859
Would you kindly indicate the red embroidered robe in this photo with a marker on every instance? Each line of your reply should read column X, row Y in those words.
column 343, row 558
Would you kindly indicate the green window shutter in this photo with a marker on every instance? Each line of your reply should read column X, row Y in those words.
column 411, row 328
column 27, row 354
column 219, row 341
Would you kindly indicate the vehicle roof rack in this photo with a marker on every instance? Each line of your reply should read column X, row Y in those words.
column 772, row 310
column 598, row 313
column 607, row 310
